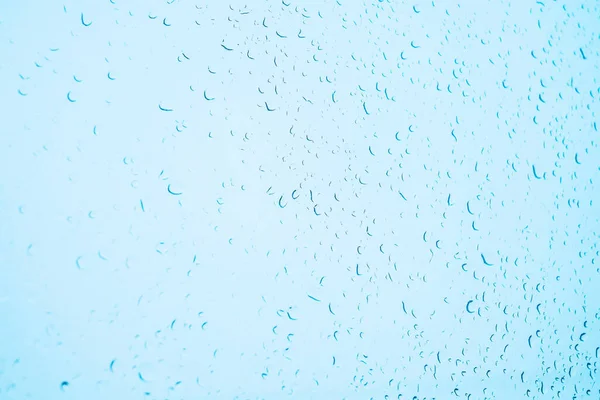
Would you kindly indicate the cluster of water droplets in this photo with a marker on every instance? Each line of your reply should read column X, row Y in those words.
column 318, row 199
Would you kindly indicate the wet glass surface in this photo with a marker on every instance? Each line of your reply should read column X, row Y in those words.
column 311, row 200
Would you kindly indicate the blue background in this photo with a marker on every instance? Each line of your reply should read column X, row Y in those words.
column 344, row 200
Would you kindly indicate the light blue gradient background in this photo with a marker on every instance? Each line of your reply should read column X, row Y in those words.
column 224, row 253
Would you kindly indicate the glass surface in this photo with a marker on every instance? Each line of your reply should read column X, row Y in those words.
column 304, row 199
